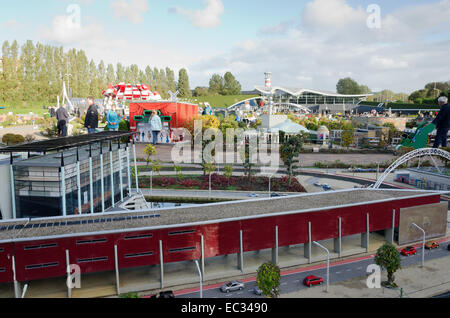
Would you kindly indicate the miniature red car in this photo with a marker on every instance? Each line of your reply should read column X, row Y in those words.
column 312, row 280
column 410, row 250
column 431, row 244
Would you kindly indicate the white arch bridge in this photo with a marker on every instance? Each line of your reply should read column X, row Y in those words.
column 418, row 153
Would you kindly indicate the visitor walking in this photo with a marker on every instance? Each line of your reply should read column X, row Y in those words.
column 113, row 119
column 62, row 116
column 442, row 122
column 91, row 121
column 156, row 126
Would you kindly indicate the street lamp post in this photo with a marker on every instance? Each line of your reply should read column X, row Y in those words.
column 270, row 178
column 328, row 262
column 201, row 278
column 423, row 244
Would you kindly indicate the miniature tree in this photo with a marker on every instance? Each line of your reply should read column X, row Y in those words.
column 150, row 150
column 268, row 279
column 289, row 152
column 177, row 170
column 228, row 172
column 388, row 257
column 209, row 168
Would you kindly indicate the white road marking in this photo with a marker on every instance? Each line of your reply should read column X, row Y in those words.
column 359, row 268
column 283, row 284
column 338, row 272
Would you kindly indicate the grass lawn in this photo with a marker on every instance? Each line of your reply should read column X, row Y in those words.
column 24, row 108
column 220, row 101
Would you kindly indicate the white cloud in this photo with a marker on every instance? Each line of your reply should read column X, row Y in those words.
column 207, row 18
column 332, row 41
column 132, row 10
column 11, row 24
column 99, row 44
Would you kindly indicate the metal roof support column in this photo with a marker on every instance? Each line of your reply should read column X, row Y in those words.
column 13, row 192
column 128, row 170
column 389, row 233
column 120, row 173
column 91, row 186
column 102, row 178
column 241, row 253
column 135, row 167
column 202, row 244
column 307, row 246
column 69, row 278
column 16, row 283
column 112, row 173
column 80, row 211
column 63, row 185
column 338, row 241
column 365, row 236
column 275, row 249
column 116, row 264
column 161, row 262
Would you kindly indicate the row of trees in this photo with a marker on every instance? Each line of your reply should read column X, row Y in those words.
column 349, row 86
column 430, row 93
column 34, row 72
column 218, row 85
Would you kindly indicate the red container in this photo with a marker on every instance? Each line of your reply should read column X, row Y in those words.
column 181, row 113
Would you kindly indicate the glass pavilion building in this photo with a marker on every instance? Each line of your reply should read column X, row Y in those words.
column 304, row 99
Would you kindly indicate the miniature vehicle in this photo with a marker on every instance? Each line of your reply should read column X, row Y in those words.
column 317, row 184
column 253, row 195
column 232, row 286
column 448, row 247
column 312, row 280
column 431, row 245
column 326, row 187
column 164, row 295
column 257, row 291
column 275, row 195
column 410, row 250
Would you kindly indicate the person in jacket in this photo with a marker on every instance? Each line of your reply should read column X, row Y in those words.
column 113, row 119
column 442, row 122
column 156, row 126
column 91, row 121
column 62, row 116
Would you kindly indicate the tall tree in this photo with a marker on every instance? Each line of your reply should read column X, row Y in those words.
column 231, row 85
column 170, row 79
column 110, row 75
column 183, row 84
column 120, row 73
column 348, row 86
column 149, row 76
column 216, row 84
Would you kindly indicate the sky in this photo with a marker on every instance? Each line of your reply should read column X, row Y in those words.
column 399, row 45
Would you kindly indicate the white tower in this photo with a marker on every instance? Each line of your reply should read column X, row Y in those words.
column 268, row 76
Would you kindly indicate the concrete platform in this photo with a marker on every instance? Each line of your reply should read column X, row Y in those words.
column 184, row 274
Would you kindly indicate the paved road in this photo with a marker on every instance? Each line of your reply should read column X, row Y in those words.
column 338, row 273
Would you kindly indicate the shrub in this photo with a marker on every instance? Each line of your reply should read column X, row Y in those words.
column 12, row 139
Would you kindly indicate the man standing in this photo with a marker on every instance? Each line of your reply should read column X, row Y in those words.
column 91, row 121
column 62, row 116
column 442, row 122
column 156, row 126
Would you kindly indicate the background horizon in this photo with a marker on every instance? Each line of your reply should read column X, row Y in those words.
column 305, row 44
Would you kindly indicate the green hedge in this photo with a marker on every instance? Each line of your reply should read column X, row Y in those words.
column 427, row 104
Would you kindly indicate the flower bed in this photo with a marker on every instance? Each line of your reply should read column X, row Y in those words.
column 219, row 182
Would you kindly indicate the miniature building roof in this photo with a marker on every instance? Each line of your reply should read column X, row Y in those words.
column 66, row 142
